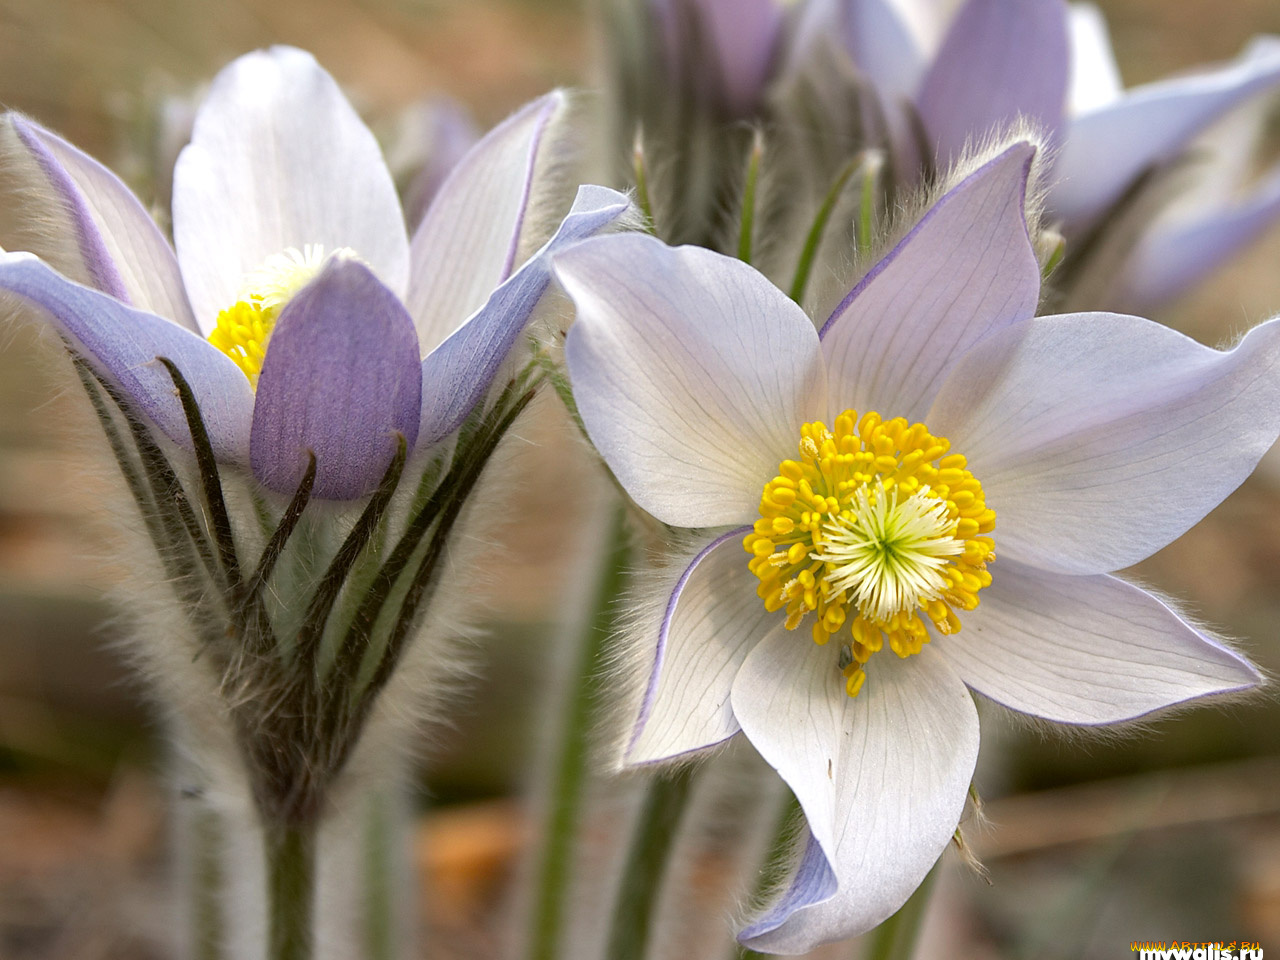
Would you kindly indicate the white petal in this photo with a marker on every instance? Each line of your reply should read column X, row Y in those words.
column 881, row 778
column 1106, row 149
column 966, row 269
column 467, row 243
column 693, row 374
column 1099, row 438
column 1095, row 75
column 713, row 619
column 279, row 159
column 1085, row 649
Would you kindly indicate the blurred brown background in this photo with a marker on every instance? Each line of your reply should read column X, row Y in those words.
column 1175, row 834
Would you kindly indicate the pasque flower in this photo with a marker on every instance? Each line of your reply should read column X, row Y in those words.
column 296, row 306
column 929, row 497
column 945, row 75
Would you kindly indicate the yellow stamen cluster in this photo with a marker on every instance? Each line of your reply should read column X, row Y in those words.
column 876, row 526
column 244, row 328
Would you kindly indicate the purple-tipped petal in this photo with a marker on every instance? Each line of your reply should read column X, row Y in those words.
column 457, row 373
column 1002, row 59
column 814, row 882
column 881, row 777
column 693, row 374
column 1099, row 438
column 124, row 343
column 469, row 240
column 122, row 252
column 1107, row 149
column 341, row 378
column 279, row 159
column 1085, row 650
column 711, row 622
column 965, row 270
column 1174, row 257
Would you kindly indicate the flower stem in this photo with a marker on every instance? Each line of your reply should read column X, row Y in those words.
column 816, row 229
column 747, row 227
column 207, row 885
column 641, row 171
column 895, row 939
column 566, row 799
column 291, row 874
column 655, row 832
column 379, row 899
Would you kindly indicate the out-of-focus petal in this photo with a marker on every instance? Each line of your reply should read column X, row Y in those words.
column 1099, row 438
column 124, row 343
column 1095, row 75
column 341, row 378
column 1106, row 149
column 1085, row 650
column 712, row 621
column 744, row 35
column 881, row 777
column 120, row 250
column 1176, row 256
column 1002, row 59
column 279, row 159
column 693, row 374
column 457, row 373
column 965, row 270
column 435, row 136
column 467, row 243
column 883, row 46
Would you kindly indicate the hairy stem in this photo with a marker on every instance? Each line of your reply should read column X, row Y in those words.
column 646, row 866
column 291, row 875
column 571, row 765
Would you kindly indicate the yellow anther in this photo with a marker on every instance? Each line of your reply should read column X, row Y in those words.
column 244, row 329
column 878, row 530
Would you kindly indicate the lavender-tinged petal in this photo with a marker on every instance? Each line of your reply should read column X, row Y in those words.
column 881, row 777
column 813, row 882
column 279, row 159
column 1085, row 650
column 1095, row 75
column 711, row 622
column 438, row 134
column 124, row 343
column 1176, row 256
column 1002, row 59
column 122, row 252
column 692, row 372
column 883, row 47
column 965, row 270
column 468, row 242
column 341, row 379
column 744, row 37
column 1106, row 149
column 457, row 373
column 1099, row 438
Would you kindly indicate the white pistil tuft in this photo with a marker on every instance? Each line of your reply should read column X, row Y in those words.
column 888, row 554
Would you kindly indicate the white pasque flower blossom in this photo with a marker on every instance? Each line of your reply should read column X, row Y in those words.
column 874, row 472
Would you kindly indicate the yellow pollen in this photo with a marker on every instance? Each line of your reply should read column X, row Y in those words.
column 244, row 328
column 876, row 530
